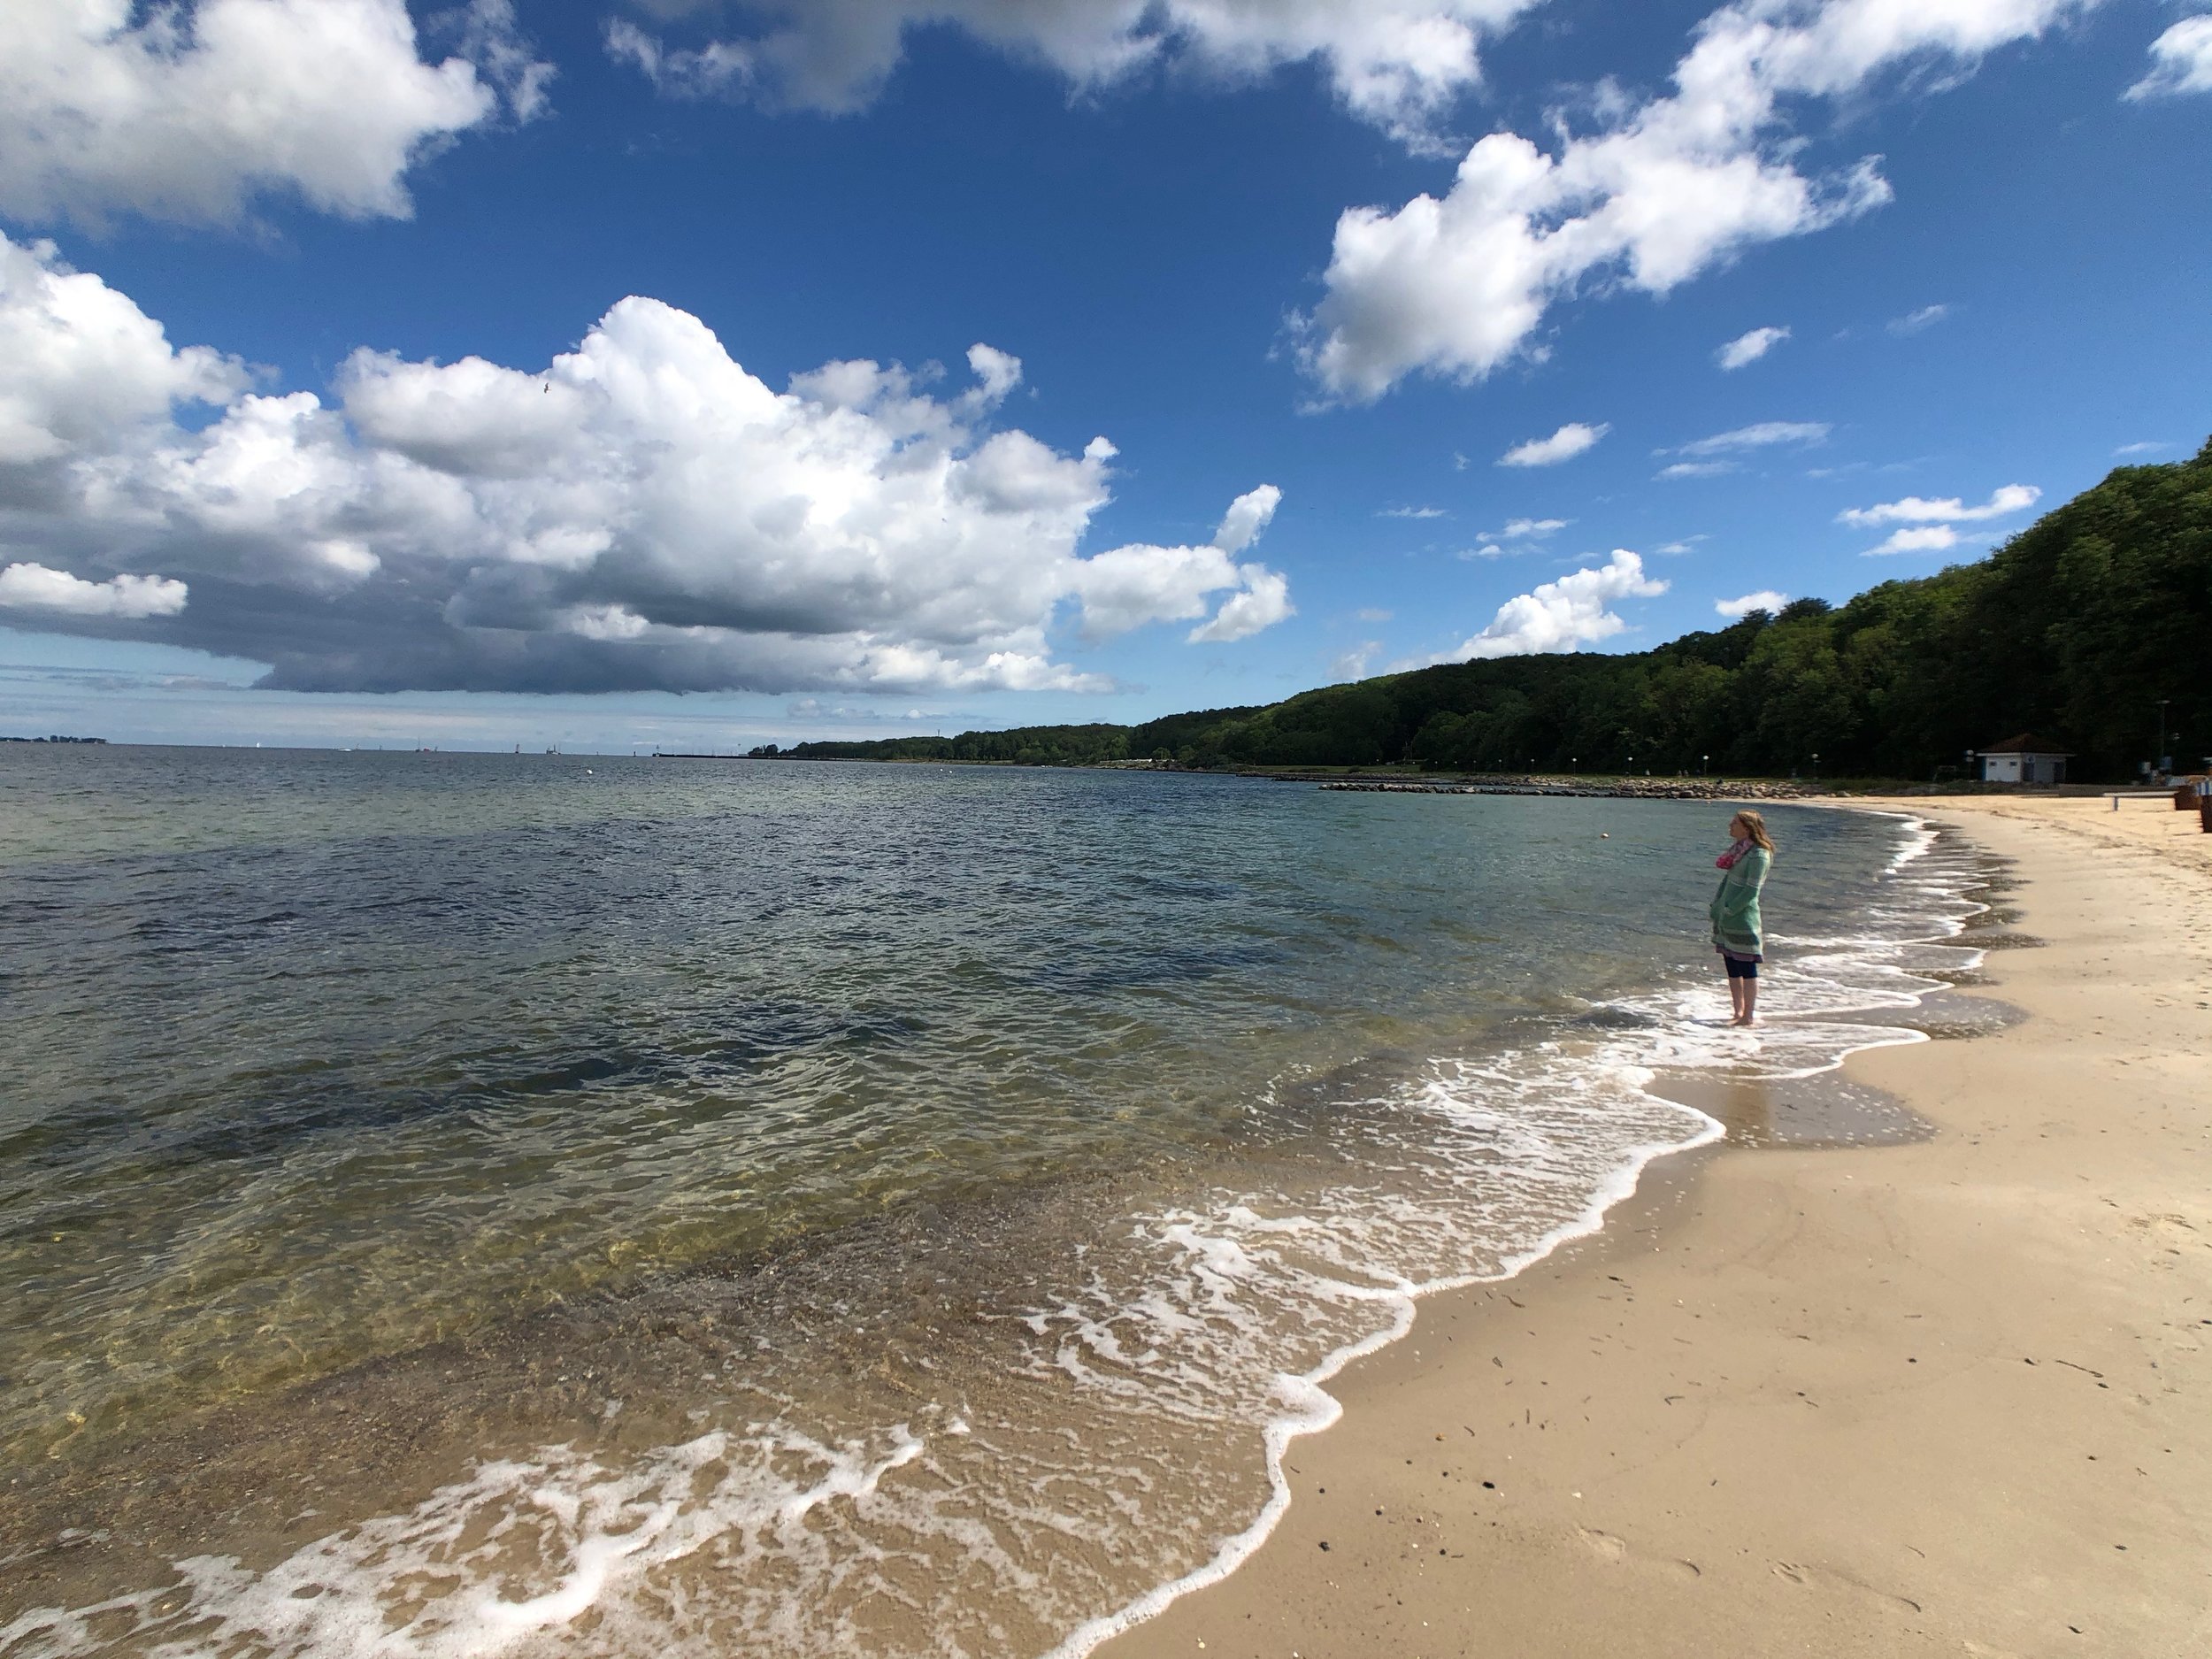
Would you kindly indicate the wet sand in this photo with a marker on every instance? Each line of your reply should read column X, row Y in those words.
column 1947, row 1396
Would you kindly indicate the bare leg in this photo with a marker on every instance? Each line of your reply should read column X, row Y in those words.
column 1735, row 1000
column 1748, row 1002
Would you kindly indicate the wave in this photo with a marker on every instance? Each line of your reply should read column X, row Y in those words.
column 1100, row 1429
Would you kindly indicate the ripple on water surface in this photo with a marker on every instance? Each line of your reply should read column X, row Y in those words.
column 792, row 1209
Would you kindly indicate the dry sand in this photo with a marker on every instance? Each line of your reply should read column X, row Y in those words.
column 1947, row 1397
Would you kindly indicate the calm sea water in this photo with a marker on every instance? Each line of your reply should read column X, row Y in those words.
column 460, row 1204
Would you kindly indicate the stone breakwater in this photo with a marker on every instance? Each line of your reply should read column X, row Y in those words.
column 1631, row 789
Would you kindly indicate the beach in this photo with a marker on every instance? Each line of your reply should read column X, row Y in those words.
column 1943, row 1396
column 967, row 1262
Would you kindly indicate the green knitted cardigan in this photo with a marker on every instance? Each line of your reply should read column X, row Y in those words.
column 1735, row 907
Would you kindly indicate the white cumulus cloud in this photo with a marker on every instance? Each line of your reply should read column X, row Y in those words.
column 1571, row 440
column 1749, row 348
column 1127, row 587
column 1532, row 529
column 1563, row 615
column 1766, row 599
column 1399, row 63
column 641, row 513
column 2181, row 61
column 1925, row 539
column 81, row 367
column 189, row 111
column 35, row 588
column 1654, row 194
column 2010, row 498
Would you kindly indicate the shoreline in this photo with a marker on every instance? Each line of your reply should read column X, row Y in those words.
column 1654, row 1168
column 1568, row 1549
column 485, row 1407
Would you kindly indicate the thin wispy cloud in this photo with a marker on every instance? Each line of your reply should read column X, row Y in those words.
column 1914, row 322
column 1352, row 663
column 1527, row 529
column 1764, row 435
column 2153, row 447
column 1412, row 512
column 1575, row 438
column 1747, row 349
column 1697, row 469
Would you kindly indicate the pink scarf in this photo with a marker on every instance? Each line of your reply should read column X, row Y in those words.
column 1736, row 850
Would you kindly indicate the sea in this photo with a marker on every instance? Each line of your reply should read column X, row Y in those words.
column 462, row 1204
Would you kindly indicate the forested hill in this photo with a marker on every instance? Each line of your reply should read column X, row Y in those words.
column 2073, row 630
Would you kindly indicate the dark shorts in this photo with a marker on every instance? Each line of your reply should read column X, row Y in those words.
column 1741, row 967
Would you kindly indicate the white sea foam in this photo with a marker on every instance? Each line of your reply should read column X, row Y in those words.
column 1124, row 1443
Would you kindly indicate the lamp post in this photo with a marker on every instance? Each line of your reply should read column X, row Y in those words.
column 1702, row 768
column 1816, row 763
column 2162, row 756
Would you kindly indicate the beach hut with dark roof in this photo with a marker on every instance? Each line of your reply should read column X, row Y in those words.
column 2026, row 759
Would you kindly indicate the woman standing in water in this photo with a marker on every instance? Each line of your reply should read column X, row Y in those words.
column 1735, row 910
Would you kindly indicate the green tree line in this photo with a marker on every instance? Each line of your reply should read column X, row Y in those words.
column 2074, row 630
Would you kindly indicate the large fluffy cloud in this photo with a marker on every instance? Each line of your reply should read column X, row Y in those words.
column 1397, row 63
column 81, row 368
column 1655, row 194
column 188, row 111
column 1563, row 615
column 642, row 513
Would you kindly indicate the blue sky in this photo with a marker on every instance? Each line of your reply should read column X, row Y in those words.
column 322, row 396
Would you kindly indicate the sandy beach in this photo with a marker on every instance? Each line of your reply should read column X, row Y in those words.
column 1941, row 1397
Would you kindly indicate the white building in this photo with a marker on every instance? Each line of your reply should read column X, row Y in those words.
column 2024, row 759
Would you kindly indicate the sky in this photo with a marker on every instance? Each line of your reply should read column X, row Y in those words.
column 694, row 374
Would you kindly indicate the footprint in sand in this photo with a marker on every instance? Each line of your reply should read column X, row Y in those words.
column 1822, row 1578
column 1608, row 1547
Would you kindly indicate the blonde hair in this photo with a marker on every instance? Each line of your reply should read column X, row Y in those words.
column 1756, row 825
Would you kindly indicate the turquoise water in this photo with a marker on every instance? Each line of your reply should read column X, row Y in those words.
column 592, row 1205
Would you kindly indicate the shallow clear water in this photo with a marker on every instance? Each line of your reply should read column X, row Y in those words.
column 475, row 1203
